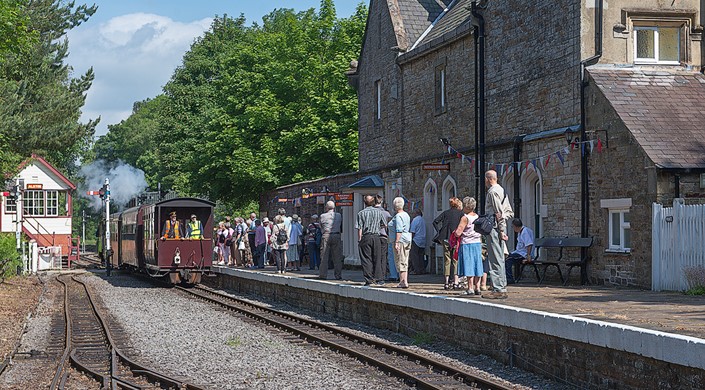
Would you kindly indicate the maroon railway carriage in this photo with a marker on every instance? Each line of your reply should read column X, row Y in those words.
column 140, row 245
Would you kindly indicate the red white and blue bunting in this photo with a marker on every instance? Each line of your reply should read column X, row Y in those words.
column 538, row 163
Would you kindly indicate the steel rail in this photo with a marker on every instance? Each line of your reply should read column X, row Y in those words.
column 106, row 371
column 422, row 371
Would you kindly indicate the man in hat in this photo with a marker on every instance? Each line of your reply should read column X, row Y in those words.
column 194, row 228
column 172, row 228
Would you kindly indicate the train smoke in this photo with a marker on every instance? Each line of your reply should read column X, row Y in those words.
column 126, row 182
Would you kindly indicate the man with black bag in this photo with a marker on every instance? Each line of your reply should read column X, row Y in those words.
column 496, row 203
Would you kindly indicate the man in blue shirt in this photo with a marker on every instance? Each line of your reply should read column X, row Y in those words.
column 522, row 253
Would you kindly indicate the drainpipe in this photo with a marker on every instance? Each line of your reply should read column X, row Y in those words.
column 479, row 34
column 518, row 141
column 584, row 178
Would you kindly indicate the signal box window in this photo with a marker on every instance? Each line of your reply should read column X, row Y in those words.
column 52, row 203
column 659, row 45
column 34, row 203
column 10, row 206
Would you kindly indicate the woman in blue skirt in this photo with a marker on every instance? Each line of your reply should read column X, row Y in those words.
column 470, row 254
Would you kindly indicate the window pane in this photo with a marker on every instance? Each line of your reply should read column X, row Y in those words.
column 668, row 40
column 626, row 216
column 645, row 44
column 615, row 225
column 627, row 239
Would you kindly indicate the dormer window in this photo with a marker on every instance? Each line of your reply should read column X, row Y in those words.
column 657, row 45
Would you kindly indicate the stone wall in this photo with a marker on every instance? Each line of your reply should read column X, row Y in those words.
column 582, row 364
column 378, row 139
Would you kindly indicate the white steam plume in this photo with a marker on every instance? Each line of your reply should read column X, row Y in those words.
column 126, row 182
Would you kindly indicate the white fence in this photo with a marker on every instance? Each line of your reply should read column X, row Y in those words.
column 678, row 241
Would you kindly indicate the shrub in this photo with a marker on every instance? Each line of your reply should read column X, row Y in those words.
column 695, row 277
column 9, row 257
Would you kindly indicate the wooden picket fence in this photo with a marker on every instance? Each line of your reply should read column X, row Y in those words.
column 678, row 242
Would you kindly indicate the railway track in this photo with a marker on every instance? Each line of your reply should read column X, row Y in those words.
column 417, row 370
column 90, row 348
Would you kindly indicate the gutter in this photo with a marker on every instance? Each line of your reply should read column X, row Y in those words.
column 480, row 104
column 584, row 172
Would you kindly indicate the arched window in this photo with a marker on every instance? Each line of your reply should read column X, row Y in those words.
column 531, row 194
column 430, row 208
column 449, row 191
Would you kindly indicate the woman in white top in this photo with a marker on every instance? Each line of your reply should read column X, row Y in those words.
column 470, row 254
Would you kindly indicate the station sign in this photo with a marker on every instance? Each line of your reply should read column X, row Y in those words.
column 436, row 167
column 344, row 203
column 35, row 186
column 347, row 197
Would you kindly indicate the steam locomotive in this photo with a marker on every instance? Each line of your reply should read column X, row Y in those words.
column 136, row 240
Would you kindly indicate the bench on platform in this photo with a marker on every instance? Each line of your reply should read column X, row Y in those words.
column 561, row 243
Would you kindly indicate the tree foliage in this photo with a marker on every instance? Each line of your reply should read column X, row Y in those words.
column 250, row 108
column 40, row 100
column 9, row 257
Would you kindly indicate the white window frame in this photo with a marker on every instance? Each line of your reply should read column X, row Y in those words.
column 29, row 203
column 443, row 88
column 10, row 206
column 51, row 202
column 655, row 60
column 619, row 247
column 378, row 99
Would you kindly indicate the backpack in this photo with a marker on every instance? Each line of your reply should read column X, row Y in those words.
column 282, row 237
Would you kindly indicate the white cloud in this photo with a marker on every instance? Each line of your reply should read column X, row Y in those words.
column 133, row 56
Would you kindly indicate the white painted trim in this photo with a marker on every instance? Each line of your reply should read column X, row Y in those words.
column 623, row 203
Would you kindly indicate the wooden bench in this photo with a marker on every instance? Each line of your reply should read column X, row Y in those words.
column 561, row 243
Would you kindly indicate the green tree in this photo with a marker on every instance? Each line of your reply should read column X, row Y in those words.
column 9, row 257
column 40, row 102
column 15, row 35
column 252, row 107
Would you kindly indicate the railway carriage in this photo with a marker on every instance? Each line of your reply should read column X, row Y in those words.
column 137, row 242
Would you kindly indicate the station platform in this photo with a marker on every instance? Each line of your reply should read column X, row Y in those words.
column 569, row 328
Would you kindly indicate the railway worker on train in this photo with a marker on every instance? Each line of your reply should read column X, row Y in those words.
column 194, row 228
column 172, row 228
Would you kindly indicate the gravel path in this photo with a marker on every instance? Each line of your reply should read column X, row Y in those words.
column 187, row 338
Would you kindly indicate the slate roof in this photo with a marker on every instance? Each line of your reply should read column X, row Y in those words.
column 664, row 110
column 455, row 16
column 417, row 15
column 373, row 181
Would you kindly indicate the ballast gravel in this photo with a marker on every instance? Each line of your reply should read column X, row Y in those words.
column 185, row 338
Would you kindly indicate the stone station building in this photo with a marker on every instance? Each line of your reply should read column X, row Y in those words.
column 590, row 112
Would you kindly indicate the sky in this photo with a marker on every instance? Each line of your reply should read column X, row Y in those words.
column 135, row 45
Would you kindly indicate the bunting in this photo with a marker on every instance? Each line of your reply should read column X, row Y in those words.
column 538, row 162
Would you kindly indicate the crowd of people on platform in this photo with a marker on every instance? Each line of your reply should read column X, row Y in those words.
column 255, row 242
column 391, row 246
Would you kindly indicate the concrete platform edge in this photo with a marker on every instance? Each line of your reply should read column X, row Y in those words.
column 673, row 348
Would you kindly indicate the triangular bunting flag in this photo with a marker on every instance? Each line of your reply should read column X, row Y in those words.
column 533, row 162
column 548, row 159
column 592, row 145
column 560, row 156
column 599, row 145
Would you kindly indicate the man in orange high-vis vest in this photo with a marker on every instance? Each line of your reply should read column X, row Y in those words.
column 172, row 228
